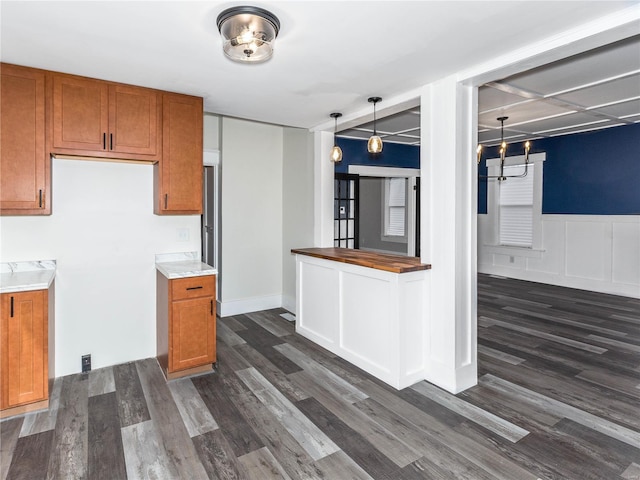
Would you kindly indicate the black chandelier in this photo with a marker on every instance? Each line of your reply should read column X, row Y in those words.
column 503, row 154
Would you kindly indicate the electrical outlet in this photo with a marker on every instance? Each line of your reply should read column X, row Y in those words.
column 183, row 234
column 86, row 363
column 511, row 259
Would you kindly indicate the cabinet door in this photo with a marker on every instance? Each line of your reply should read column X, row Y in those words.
column 178, row 175
column 192, row 333
column 134, row 120
column 80, row 114
column 23, row 162
column 24, row 369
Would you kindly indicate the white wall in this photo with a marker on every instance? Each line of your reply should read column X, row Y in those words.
column 104, row 236
column 251, row 216
column 211, row 128
column 590, row 252
column 297, row 206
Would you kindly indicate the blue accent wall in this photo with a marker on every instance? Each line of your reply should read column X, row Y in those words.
column 354, row 152
column 593, row 173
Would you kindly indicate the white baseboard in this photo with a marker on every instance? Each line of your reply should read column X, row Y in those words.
column 289, row 303
column 625, row 290
column 248, row 305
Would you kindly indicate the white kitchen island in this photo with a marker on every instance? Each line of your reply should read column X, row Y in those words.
column 366, row 307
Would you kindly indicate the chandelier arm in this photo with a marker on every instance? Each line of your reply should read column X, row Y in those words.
column 504, row 177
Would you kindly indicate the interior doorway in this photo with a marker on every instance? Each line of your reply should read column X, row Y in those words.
column 210, row 208
column 377, row 209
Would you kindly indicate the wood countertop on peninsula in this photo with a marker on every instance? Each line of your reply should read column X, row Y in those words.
column 379, row 261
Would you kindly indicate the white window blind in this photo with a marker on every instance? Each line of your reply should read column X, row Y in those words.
column 516, row 207
column 396, row 206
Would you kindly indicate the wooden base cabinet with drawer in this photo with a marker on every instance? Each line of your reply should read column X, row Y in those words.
column 186, row 328
column 26, row 327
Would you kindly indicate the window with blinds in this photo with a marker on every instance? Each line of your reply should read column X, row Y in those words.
column 395, row 206
column 516, row 207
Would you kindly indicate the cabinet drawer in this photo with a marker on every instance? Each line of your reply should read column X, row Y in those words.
column 193, row 287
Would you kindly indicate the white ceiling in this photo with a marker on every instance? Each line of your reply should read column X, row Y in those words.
column 329, row 56
column 594, row 90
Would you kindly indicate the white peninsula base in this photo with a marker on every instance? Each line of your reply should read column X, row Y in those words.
column 371, row 317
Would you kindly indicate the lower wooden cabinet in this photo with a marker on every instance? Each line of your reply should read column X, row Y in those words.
column 24, row 362
column 186, row 330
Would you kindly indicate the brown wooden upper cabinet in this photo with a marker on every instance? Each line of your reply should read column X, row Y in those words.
column 178, row 176
column 25, row 166
column 101, row 119
column 44, row 113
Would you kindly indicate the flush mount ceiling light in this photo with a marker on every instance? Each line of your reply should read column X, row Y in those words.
column 503, row 154
column 336, row 151
column 374, row 145
column 248, row 33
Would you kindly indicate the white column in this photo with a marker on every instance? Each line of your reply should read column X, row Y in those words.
column 448, row 240
column 323, row 190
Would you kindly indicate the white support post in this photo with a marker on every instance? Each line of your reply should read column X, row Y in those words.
column 323, row 190
column 448, row 240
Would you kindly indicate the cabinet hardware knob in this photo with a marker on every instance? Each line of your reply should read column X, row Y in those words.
column 166, row 195
column 194, row 288
column 104, row 140
column 40, row 195
column 12, row 306
column 211, row 307
column 111, row 141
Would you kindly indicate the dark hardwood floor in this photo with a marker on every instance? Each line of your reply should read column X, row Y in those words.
column 558, row 397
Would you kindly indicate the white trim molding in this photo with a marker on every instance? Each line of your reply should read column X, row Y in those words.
column 369, row 171
column 247, row 305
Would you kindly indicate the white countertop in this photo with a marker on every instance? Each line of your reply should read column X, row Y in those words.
column 182, row 265
column 26, row 276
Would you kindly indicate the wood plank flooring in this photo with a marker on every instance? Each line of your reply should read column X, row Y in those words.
column 558, row 397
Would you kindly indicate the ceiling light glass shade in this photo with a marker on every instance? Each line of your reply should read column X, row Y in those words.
column 248, row 33
column 374, row 145
column 336, row 154
column 336, row 151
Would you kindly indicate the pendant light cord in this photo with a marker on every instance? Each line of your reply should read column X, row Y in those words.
column 374, row 118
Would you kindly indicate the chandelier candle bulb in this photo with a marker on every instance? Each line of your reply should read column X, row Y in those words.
column 503, row 155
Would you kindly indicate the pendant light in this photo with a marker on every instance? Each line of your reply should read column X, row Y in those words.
column 248, row 33
column 374, row 145
column 503, row 154
column 336, row 151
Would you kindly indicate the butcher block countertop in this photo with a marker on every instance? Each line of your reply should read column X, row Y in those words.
column 379, row 261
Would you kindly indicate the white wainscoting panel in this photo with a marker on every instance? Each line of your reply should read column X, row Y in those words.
column 318, row 301
column 366, row 319
column 552, row 260
column 585, row 249
column 626, row 253
column 589, row 252
column 413, row 301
